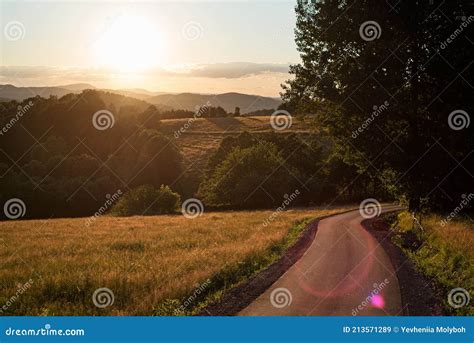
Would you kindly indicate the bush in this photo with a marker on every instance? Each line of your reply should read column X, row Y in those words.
column 147, row 200
column 248, row 178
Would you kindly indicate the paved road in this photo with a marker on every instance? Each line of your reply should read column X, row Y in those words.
column 344, row 272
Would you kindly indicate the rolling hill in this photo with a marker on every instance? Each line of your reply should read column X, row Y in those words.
column 228, row 101
column 20, row 93
column 163, row 101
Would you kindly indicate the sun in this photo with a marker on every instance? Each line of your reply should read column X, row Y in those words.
column 129, row 44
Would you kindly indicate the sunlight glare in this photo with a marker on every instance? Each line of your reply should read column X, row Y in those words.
column 130, row 44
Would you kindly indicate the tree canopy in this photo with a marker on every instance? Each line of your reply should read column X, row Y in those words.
column 391, row 84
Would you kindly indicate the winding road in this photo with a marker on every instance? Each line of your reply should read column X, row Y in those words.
column 344, row 272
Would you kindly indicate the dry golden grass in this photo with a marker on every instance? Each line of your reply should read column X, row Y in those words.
column 227, row 125
column 145, row 261
column 459, row 233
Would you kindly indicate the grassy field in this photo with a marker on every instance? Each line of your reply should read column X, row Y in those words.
column 151, row 264
column 228, row 125
column 445, row 253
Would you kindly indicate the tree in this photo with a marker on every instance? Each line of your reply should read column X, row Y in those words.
column 147, row 200
column 65, row 166
column 237, row 112
column 382, row 86
column 249, row 177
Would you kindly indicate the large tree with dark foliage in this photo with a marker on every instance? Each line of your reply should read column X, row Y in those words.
column 386, row 81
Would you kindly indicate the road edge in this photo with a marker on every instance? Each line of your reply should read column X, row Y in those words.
column 418, row 294
column 242, row 295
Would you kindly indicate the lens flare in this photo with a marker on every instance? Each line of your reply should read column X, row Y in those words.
column 377, row 301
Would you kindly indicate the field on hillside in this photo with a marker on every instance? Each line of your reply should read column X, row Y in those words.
column 151, row 264
column 226, row 125
column 204, row 136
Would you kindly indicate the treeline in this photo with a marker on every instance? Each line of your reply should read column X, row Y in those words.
column 263, row 170
column 61, row 161
column 389, row 86
column 201, row 112
column 71, row 156
column 206, row 111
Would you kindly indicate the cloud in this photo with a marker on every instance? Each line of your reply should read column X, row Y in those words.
column 244, row 77
column 235, row 70
column 40, row 74
column 232, row 70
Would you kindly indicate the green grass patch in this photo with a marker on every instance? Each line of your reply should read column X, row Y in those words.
column 445, row 253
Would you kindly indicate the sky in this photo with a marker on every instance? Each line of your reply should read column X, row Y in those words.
column 166, row 46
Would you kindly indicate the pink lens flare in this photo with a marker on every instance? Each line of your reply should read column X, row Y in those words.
column 377, row 301
column 352, row 281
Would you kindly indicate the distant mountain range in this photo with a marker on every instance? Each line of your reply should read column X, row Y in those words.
column 228, row 101
column 163, row 101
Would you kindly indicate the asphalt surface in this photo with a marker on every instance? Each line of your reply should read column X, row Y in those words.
column 343, row 272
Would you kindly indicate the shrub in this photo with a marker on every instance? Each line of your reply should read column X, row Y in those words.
column 249, row 177
column 147, row 200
